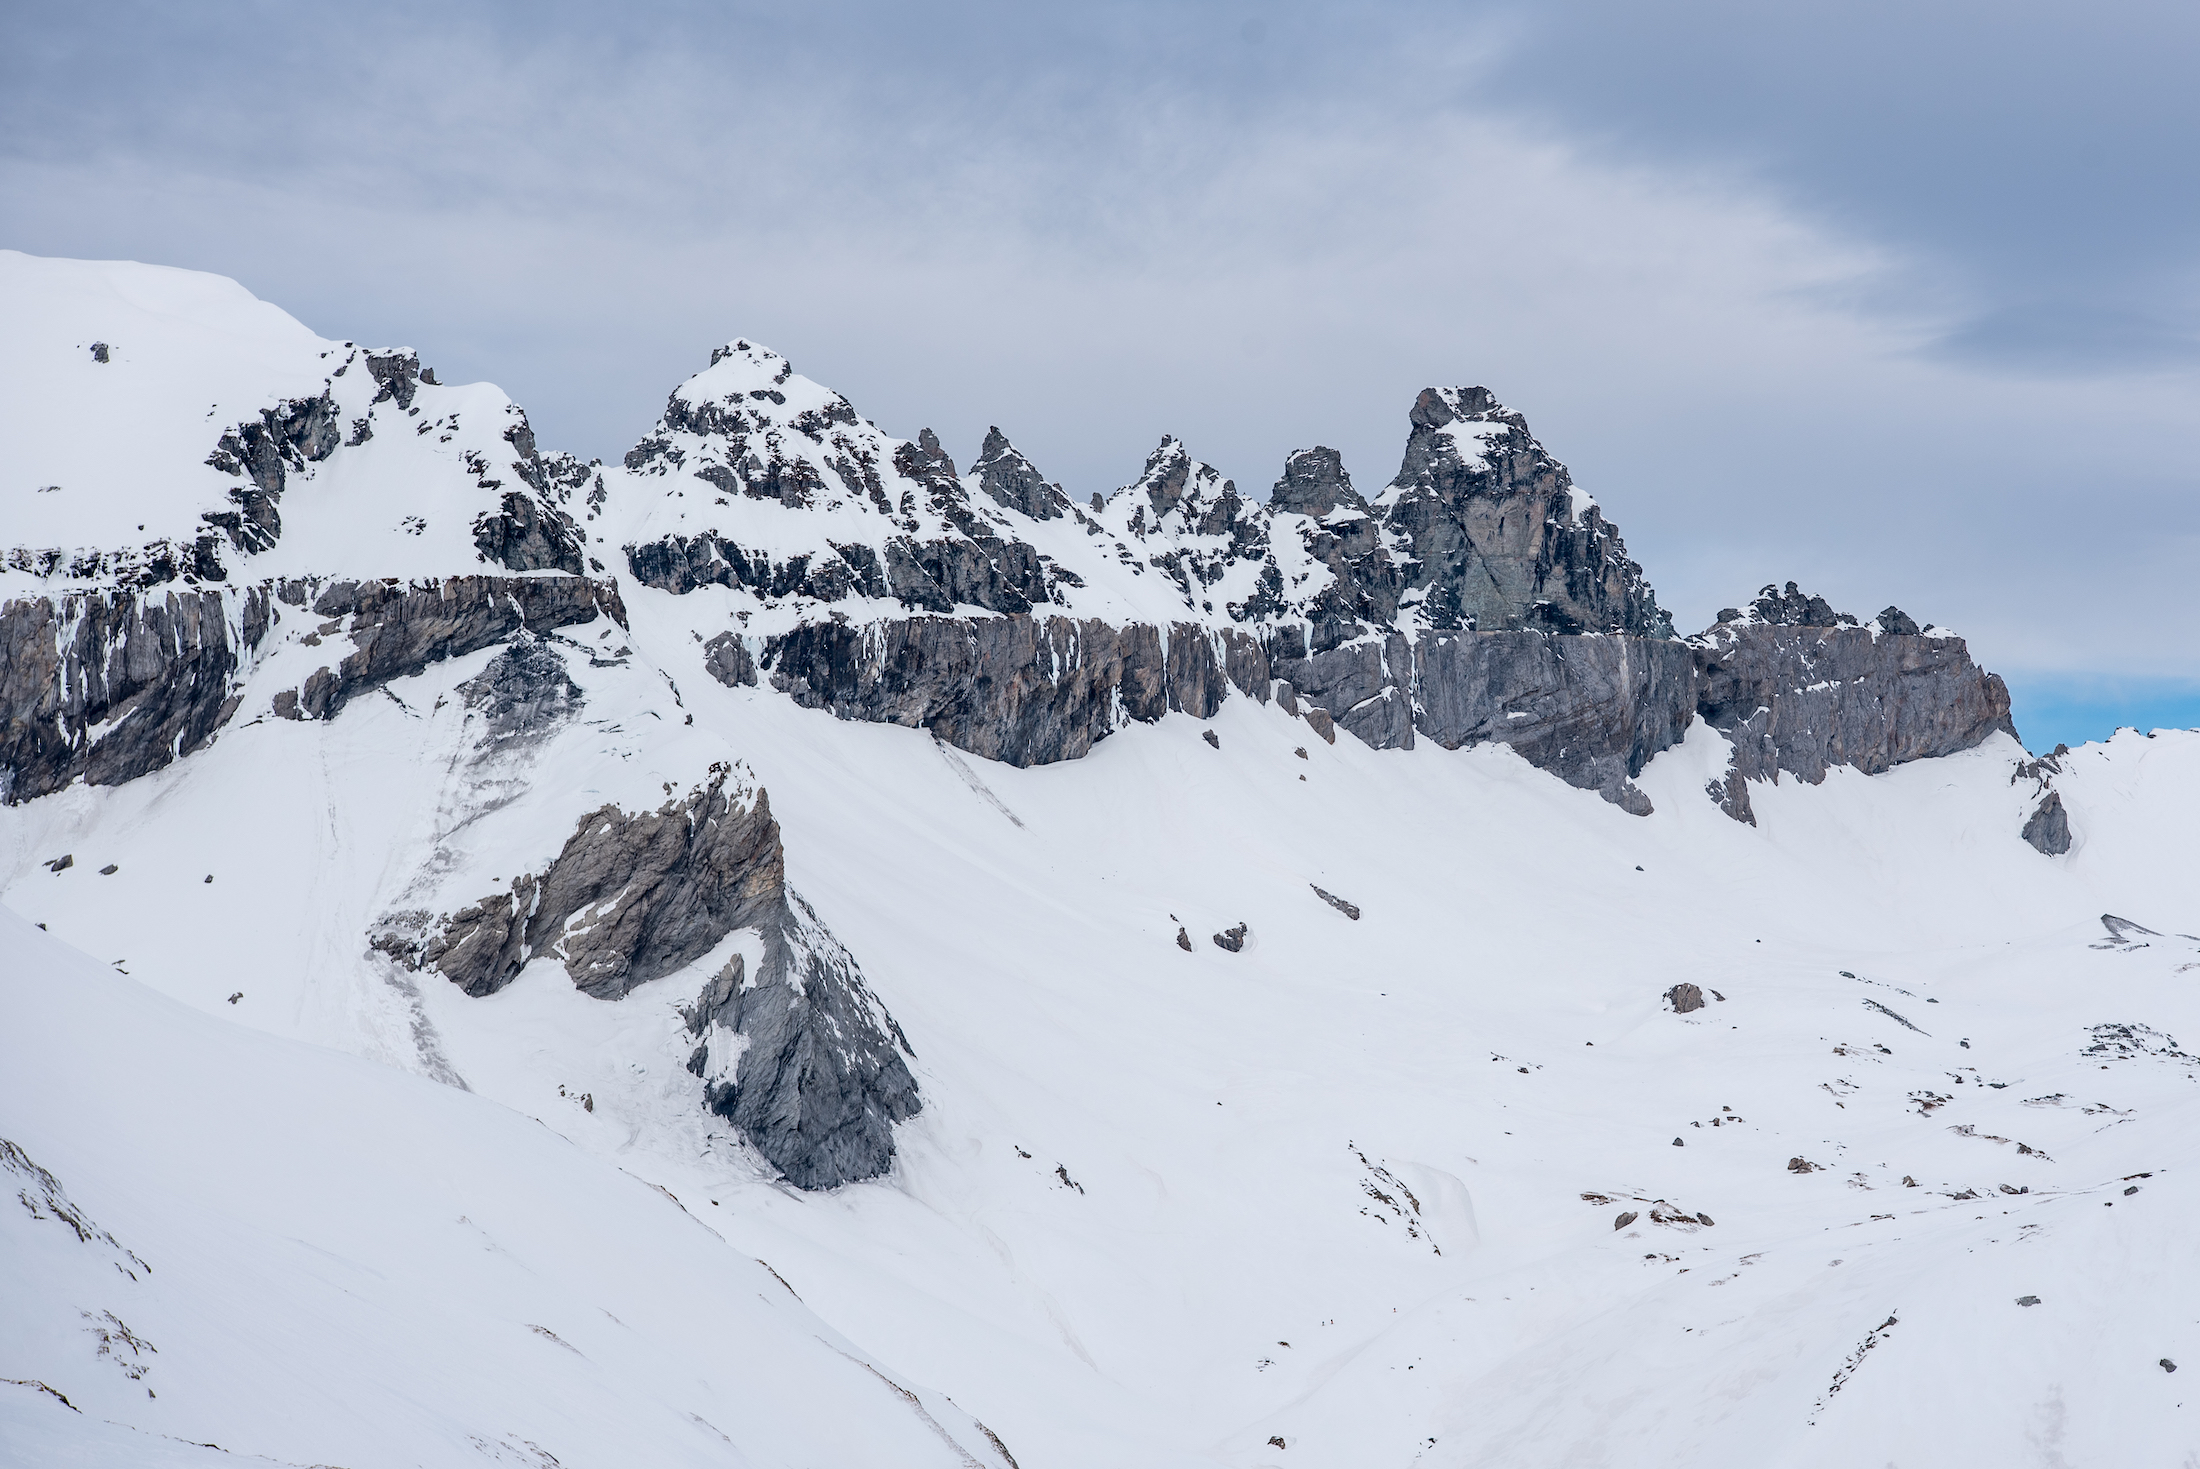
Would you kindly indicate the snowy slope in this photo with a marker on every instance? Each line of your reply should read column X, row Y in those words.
column 1353, row 1194
column 113, row 466
column 1222, row 1117
column 297, row 1256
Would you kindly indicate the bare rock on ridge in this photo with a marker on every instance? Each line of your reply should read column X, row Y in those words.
column 1802, row 696
column 1498, row 536
column 1018, row 689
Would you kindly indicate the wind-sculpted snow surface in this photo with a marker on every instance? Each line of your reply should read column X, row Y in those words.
column 1212, row 1090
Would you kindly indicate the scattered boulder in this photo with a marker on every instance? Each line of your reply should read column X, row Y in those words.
column 1625, row 1219
column 1801, row 1165
column 61, row 863
column 1183, row 940
column 2048, row 830
column 1684, row 998
column 1214, row 741
column 1232, row 939
column 1349, row 910
column 2028, row 1300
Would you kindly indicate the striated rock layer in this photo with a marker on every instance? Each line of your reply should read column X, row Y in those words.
column 106, row 686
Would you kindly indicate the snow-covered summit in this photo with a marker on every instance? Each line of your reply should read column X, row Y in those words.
column 164, row 425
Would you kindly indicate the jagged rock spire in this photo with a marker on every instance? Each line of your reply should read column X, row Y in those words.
column 1498, row 535
column 1010, row 480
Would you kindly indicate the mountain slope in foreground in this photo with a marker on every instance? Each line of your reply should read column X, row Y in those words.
column 1220, row 1076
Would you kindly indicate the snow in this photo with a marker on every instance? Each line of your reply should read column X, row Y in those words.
column 1160, row 1207
column 190, row 357
column 319, row 1257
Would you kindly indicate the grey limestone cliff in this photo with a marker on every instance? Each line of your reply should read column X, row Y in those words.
column 106, row 686
column 1799, row 688
column 398, row 628
column 1025, row 690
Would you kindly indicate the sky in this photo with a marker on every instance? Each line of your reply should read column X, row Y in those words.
column 1901, row 302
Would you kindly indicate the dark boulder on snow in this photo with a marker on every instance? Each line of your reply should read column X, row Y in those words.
column 2048, row 828
column 1684, row 998
column 1348, row 909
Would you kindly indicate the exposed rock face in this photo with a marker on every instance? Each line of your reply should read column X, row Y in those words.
column 530, row 531
column 802, row 1058
column 522, row 695
column 287, row 437
column 109, row 686
column 2048, row 829
column 398, row 630
column 1803, row 698
column 1019, row 689
column 630, row 898
column 1009, row 479
column 1592, row 710
column 817, row 1072
column 1497, row 535
column 1314, row 483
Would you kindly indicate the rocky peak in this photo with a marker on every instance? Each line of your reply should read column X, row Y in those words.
column 1793, row 607
column 1315, row 483
column 1010, row 480
column 1197, row 529
column 1497, row 535
column 1176, row 486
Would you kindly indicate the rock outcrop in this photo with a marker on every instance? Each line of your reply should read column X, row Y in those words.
column 1497, row 535
column 106, row 686
column 2048, row 828
column 881, row 519
column 1025, row 690
column 1799, row 688
column 1592, row 710
column 801, row 1057
column 398, row 629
